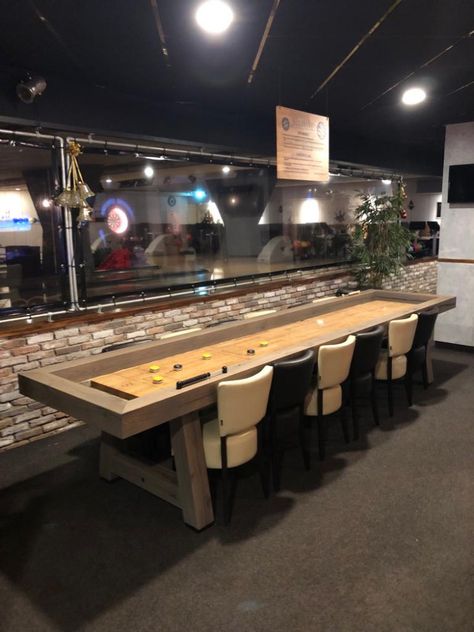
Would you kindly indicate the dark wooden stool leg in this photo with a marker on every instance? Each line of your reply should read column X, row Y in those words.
column 321, row 427
column 262, row 462
column 305, row 440
column 409, row 387
column 355, row 419
column 225, row 484
column 275, row 454
column 389, row 387
column 424, row 370
column 373, row 401
column 345, row 428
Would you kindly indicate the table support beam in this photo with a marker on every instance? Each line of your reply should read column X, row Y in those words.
column 154, row 478
column 193, row 481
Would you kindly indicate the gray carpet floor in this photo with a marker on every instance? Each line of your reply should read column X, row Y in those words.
column 379, row 538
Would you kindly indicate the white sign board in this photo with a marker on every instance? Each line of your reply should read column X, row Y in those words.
column 302, row 145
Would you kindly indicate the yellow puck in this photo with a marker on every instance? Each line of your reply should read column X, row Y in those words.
column 154, row 368
column 206, row 356
column 263, row 343
column 157, row 379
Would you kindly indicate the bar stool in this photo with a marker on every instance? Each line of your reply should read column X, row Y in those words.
column 417, row 356
column 290, row 385
column 361, row 376
column 334, row 362
column 236, row 436
column 392, row 362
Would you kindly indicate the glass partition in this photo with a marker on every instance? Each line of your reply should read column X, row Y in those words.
column 168, row 223
column 162, row 224
column 33, row 274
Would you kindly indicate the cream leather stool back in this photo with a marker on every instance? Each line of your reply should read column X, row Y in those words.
column 236, row 437
column 400, row 335
column 241, row 404
column 334, row 363
column 392, row 362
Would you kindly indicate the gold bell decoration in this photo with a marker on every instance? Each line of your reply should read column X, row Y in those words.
column 77, row 191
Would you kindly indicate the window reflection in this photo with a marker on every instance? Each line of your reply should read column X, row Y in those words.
column 32, row 267
column 183, row 222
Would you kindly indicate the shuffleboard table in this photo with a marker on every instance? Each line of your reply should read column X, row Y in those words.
column 129, row 391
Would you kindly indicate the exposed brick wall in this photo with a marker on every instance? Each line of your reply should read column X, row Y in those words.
column 23, row 420
column 415, row 277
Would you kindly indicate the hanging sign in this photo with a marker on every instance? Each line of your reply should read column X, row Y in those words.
column 302, row 145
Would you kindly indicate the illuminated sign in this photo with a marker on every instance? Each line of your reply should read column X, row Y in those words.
column 15, row 224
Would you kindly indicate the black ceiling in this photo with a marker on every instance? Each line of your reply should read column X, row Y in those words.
column 105, row 69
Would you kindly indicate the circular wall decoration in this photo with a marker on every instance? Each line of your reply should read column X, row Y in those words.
column 117, row 220
column 321, row 130
column 171, row 200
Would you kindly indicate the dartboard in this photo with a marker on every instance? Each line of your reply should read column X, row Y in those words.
column 117, row 220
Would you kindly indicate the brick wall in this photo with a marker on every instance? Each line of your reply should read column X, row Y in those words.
column 23, row 420
column 415, row 277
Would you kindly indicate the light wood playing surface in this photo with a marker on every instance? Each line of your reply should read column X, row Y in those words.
column 138, row 381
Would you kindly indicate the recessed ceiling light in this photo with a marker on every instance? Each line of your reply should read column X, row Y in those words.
column 386, row 181
column 108, row 180
column 226, row 169
column 214, row 16
column 413, row 96
column 46, row 203
column 149, row 171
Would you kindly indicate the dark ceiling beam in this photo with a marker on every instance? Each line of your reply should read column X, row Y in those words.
column 466, row 85
column 161, row 31
column 263, row 41
column 359, row 44
column 68, row 50
column 423, row 65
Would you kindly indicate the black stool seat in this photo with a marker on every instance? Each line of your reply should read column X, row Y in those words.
column 361, row 376
column 290, row 385
column 417, row 356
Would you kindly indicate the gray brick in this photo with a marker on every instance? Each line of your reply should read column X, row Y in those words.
column 26, row 367
column 28, row 434
column 102, row 334
column 66, row 333
column 26, row 416
column 33, row 340
column 54, row 425
column 14, row 429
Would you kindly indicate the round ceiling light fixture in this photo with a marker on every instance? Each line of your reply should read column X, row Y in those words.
column 214, row 16
column 226, row 169
column 149, row 171
column 386, row 181
column 413, row 96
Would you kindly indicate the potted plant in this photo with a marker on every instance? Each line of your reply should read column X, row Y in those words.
column 380, row 242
